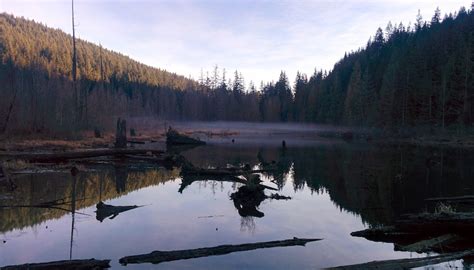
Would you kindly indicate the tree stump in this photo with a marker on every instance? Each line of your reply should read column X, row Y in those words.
column 121, row 134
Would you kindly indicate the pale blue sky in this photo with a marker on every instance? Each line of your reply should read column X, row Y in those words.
column 259, row 38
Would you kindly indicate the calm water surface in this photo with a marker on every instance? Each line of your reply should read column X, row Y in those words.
column 337, row 188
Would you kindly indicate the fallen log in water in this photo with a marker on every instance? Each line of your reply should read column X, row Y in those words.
column 105, row 210
column 388, row 234
column 439, row 223
column 429, row 244
column 156, row 257
column 219, row 171
column 60, row 265
column 64, row 156
column 173, row 137
column 458, row 199
column 407, row 263
column 276, row 196
column 187, row 180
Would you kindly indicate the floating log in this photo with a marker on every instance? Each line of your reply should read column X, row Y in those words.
column 60, row 265
column 407, row 263
column 189, row 179
column 219, row 171
column 429, row 244
column 386, row 234
column 460, row 199
column 64, row 156
column 105, row 210
column 276, row 196
column 173, row 137
column 156, row 257
column 439, row 223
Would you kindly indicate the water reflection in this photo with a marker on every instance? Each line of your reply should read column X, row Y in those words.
column 376, row 184
column 81, row 191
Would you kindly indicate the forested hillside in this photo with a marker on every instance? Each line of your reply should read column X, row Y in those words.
column 418, row 76
column 415, row 76
column 36, row 94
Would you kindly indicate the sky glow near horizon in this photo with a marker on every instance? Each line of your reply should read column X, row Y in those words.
column 259, row 38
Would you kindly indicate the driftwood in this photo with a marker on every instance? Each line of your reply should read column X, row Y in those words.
column 105, row 210
column 173, row 137
column 64, row 156
column 156, row 257
column 383, row 234
column 187, row 180
column 429, row 244
column 60, row 265
column 408, row 263
column 439, row 223
column 276, row 196
column 424, row 224
column 219, row 171
column 458, row 199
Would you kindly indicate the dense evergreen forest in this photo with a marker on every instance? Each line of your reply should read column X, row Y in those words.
column 419, row 76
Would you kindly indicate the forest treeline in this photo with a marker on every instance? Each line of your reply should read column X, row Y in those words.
column 420, row 76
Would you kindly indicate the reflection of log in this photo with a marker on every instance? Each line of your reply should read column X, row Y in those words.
column 408, row 263
column 105, row 210
column 429, row 244
column 173, row 137
column 57, row 265
column 64, row 156
column 156, row 257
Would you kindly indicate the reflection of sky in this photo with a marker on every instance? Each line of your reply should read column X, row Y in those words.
column 171, row 221
column 259, row 38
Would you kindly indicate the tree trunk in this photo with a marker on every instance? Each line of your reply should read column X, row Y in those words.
column 121, row 134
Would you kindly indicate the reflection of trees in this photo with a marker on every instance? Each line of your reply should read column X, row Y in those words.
column 89, row 189
column 382, row 183
column 378, row 183
column 121, row 175
column 278, row 161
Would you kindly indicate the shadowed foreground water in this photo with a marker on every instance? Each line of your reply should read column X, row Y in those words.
column 336, row 188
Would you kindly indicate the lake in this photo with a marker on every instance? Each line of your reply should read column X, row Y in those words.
column 336, row 187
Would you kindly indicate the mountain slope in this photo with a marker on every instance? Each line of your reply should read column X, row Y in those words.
column 421, row 77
